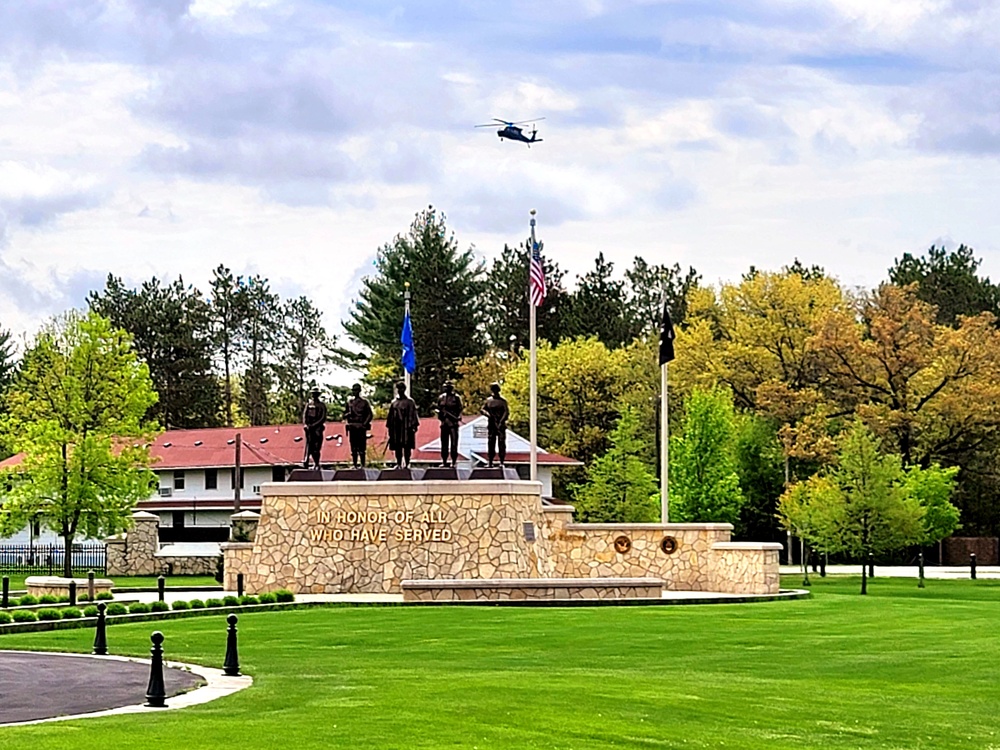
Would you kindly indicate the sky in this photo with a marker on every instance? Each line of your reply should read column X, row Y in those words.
column 293, row 138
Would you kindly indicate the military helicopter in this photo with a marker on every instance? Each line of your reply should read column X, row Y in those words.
column 511, row 131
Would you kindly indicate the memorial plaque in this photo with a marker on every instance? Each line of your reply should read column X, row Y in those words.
column 529, row 531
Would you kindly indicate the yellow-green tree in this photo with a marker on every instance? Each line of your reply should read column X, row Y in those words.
column 76, row 413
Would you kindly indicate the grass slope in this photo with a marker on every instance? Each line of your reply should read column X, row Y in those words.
column 901, row 668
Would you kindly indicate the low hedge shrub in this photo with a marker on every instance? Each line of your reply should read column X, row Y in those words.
column 49, row 613
column 5, row 618
column 23, row 615
column 90, row 610
column 213, row 603
column 27, row 599
column 138, row 608
column 159, row 606
column 180, row 604
column 104, row 596
column 71, row 613
column 284, row 595
column 267, row 598
column 230, row 601
column 249, row 599
column 116, row 608
column 197, row 604
column 48, row 599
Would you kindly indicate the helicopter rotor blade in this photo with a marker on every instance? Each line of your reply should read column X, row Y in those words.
column 524, row 122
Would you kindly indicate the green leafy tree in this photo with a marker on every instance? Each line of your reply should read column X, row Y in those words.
column 649, row 286
column 77, row 413
column 8, row 362
column 446, row 308
column 579, row 385
column 620, row 488
column 597, row 307
column 170, row 329
column 506, row 301
column 704, row 483
column 948, row 280
column 933, row 488
column 861, row 506
column 759, row 464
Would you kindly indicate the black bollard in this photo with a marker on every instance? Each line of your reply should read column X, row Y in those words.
column 101, row 636
column 161, row 586
column 920, row 567
column 90, row 586
column 239, row 584
column 72, row 593
column 871, row 565
column 822, row 566
column 6, row 592
column 156, row 692
column 231, row 666
column 972, row 565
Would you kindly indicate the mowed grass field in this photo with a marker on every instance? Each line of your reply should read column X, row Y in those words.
column 901, row 668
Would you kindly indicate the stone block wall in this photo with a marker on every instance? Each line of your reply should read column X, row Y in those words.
column 137, row 553
column 237, row 560
column 366, row 537
column 746, row 568
column 134, row 553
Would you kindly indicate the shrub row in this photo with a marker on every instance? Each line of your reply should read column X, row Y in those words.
column 117, row 608
column 29, row 599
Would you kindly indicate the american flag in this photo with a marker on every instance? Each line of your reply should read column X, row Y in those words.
column 536, row 276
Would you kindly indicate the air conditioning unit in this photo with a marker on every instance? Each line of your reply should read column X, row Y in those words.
column 166, row 491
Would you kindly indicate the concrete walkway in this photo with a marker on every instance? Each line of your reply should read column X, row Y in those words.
column 902, row 571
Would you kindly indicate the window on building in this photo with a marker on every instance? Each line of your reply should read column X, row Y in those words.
column 178, row 480
column 232, row 478
column 277, row 473
column 178, row 519
column 211, row 479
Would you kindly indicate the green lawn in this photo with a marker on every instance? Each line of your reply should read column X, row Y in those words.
column 17, row 580
column 901, row 668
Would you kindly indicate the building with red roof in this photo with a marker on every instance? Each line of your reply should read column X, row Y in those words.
column 196, row 469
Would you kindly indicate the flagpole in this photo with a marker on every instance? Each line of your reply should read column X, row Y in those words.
column 406, row 302
column 532, row 369
column 664, row 447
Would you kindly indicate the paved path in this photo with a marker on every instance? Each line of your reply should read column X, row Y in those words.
column 903, row 571
column 42, row 685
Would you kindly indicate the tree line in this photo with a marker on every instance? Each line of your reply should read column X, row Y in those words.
column 794, row 359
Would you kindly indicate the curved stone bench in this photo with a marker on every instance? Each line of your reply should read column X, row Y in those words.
column 524, row 589
column 58, row 586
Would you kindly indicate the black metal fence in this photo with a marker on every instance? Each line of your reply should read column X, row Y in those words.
column 47, row 559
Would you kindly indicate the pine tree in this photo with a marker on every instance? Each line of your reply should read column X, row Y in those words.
column 446, row 308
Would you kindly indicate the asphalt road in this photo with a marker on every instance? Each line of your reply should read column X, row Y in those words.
column 40, row 686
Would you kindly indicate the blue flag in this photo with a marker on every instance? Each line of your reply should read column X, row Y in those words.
column 406, row 339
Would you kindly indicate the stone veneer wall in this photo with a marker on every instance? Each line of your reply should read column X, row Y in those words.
column 746, row 568
column 133, row 553
column 704, row 558
column 546, row 589
column 237, row 560
column 366, row 537
column 434, row 529
column 136, row 553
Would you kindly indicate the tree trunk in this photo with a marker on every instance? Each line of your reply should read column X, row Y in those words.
column 864, row 574
column 68, row 555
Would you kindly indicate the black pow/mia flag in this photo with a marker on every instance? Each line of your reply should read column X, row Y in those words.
column 666, row 337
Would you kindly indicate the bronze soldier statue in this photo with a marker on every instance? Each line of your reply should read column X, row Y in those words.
column 449, row 411
column 496, row 412
column 402, row 424
column 358, row 417
column 314, row 423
